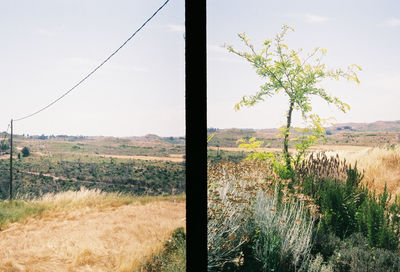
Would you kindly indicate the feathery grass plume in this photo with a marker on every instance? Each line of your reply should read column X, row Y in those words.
column 319, row 166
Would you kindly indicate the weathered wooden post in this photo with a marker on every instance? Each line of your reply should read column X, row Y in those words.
column 11, row 159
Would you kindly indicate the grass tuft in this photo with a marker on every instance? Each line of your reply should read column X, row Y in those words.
column 18, row 210
column 172, row 257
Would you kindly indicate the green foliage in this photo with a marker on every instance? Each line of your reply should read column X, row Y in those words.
column 25, row 152
column 375, row 223
column 276, row 160
column 4, row 146
column 210, row 137
column 312, row 134
column 298, row 76
column 338, row 201
column 173, row 256
column 214, row 156
column 129, row 176
column 348, row 207
column 16, row 210
column 324, row 243
column 354, row 254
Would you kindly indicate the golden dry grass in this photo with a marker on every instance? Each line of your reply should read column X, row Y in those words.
column 381, row 165
column 89, row 231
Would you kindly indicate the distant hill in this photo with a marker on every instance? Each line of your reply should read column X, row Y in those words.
column 380, row 132
column 379, row 126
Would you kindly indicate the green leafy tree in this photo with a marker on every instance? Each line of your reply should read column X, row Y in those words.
column 25, row 152
column 297, row 76
column 4, row 146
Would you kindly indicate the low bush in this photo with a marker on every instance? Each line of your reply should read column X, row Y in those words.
column 348, row 207
column 355, row 254
column 173, row 256
column 283, row 233
column 317, row 264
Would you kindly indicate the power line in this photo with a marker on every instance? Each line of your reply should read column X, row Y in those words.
column 95, row 69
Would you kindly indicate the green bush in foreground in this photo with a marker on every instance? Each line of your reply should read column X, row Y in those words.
column 354, row 254
column 347, row 207
column 173, row 256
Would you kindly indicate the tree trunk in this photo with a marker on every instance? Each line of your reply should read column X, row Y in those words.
column 286, row 136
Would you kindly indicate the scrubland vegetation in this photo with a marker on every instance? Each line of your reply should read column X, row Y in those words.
column 88, row 204
column 329, row 219
column 37, row 176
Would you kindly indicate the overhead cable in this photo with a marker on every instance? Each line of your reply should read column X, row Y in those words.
column 95, row 69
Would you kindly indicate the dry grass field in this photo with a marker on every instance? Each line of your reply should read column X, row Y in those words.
column 90, row 231
column 381, row 165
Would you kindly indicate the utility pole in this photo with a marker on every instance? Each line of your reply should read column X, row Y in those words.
column 11, row 160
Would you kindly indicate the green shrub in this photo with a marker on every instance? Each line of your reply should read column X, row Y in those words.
column 348, row 207
column 375, row 223
column 324, row 243
column 25, row 152
column 173, row 256
column 356, row 255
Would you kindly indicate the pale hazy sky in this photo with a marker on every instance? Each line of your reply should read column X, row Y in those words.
column 47, row 46
column 364, row 32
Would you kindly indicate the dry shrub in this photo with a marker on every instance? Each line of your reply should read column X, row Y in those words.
column 243, row 200
column 254, row 171
column 320, row 166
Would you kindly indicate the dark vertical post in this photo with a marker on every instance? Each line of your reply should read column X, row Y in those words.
column 196, row 135
column 11, row 160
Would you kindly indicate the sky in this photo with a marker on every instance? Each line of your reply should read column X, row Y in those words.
column 362, row 32
column 48, row 46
